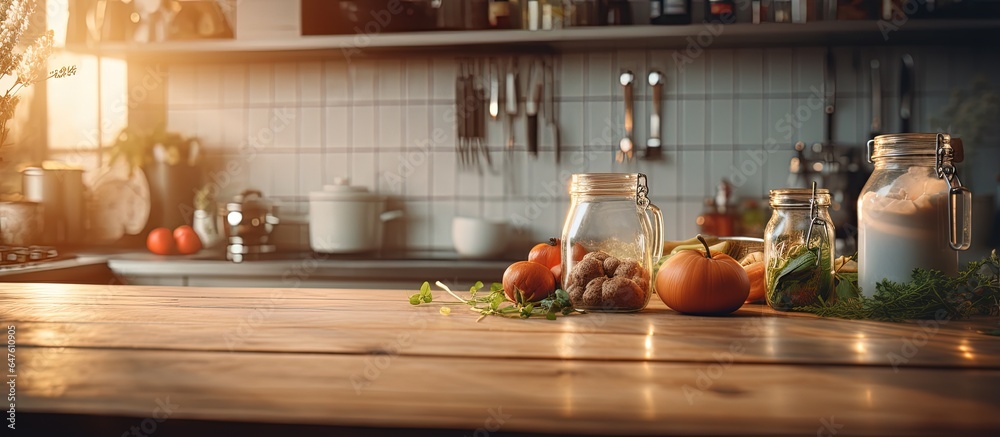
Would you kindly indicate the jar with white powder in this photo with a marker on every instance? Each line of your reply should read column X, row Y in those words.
column 914, row 211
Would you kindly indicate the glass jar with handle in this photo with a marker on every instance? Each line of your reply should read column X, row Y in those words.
column 798, row 248
column 913, row 211
column 612, row 237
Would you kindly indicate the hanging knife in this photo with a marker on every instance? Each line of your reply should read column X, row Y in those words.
column 510, row 106
column 876, row 100
column 906, row 82
column 551, row 111
column 532, row 103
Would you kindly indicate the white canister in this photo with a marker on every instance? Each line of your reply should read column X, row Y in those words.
column 346, row 219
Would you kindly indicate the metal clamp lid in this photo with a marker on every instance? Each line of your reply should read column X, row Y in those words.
column 641, row 191
column 814, row 221
column 959, row 197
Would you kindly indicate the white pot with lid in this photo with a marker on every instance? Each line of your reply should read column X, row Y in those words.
column 347, row 219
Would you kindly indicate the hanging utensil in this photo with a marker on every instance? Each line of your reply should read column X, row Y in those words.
column 474, row 114
column 551, row 111
column 906, row 85
column 654, row 145
column 625, row 146
column 460, row 115
column 531, row 105
column 482, row 108
column 473, row 105
column 510, row 108
column 494, row 89
column 876, row 102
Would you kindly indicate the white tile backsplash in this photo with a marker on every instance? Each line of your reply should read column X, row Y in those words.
column 310, row 83
column 361, row 80
column 182, row 85
column 286, row 83
column 750, row 64
column 362, row 121
column 208, row 89
column 310, row 172
column 571, row 77
column 389, row 127
column 720, row 72
column 720, row 123
column 286, row 134
column 260, row 82
column 336, row 83
column 389, row 124
column 692, row 123
column 310, row 124
column 692, row 173
column 692, row 77
column 778, row 71
column 234, row 85
column 600, row 74
column 337, row 128
column 389, row 79
column 417, row 79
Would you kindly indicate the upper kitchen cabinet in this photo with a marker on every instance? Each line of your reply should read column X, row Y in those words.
column 183, row 31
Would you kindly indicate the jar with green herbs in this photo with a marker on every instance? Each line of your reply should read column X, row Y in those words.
column 798, row 248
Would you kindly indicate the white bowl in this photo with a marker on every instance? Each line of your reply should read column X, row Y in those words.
column 478, row 238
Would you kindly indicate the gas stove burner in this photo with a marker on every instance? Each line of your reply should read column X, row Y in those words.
column 20, row 255
column 243, row 252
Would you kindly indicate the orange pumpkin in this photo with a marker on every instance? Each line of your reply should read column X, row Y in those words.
column 534, row 280
column 755, row 272
column 699, row 283
column 557, row 274
column 549, row 254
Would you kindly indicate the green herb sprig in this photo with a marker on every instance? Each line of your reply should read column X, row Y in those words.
column 493, row 303
column 976, row 290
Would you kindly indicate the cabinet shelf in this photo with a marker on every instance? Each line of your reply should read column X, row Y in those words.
column 913, row 31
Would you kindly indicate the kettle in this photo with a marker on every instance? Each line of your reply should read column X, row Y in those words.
column 249, row 219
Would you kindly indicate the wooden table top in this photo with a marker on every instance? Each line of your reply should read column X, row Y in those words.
column 369, row 359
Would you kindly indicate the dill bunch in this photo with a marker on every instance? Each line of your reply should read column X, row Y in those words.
column 929, row 294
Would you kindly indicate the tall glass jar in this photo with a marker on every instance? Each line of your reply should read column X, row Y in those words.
column 798, row 248
column 612, row 221
column 914, row 211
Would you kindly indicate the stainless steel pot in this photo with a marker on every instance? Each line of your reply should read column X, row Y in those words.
column 20, row 223
column 249, row 219
column 61, row 195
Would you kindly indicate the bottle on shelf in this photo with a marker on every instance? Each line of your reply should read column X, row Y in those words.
column 670, row 11
column 721, row 11
column 615, row 13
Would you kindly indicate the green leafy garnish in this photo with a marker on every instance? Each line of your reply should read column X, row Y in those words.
column 929, row 294
column 424, row 296
column 799, row 278
column 493, row 303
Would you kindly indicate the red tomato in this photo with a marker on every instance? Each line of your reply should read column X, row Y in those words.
column 187, row 240
column 161, row 242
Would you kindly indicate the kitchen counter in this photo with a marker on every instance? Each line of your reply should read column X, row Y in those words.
column 287, row 269
column 197, row 361
column 306, row 269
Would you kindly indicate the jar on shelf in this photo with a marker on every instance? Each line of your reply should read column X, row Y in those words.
column 612, row 220
column 913, row 211
column 798, row 248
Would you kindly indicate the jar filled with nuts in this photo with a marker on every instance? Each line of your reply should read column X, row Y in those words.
column 611, row 217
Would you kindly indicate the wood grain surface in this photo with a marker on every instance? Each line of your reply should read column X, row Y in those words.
column 370, row 359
